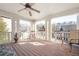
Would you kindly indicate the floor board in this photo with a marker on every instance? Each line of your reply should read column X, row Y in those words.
column 43, row 48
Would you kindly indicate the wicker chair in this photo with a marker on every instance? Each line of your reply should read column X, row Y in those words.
column 74, row 38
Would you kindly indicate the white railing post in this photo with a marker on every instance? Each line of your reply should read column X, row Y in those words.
column 6, row 37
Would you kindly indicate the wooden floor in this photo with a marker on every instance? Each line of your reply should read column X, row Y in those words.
column 43, row 48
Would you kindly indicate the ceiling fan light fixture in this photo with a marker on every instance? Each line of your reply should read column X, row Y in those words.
column 28, row 7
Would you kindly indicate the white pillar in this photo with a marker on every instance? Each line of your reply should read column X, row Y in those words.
column 32, row 30
column 77, row 22
column 13, row 30
column 45, row 29
column 17, row 27
column 33, row 26
column 48, row 29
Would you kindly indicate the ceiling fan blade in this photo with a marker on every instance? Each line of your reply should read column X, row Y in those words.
column 22, row 4
column 31, row 4
column 35, row 10
column 21, row 9
column 30, row 13
column 5, row 17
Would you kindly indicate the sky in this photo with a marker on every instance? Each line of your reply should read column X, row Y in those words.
column 23, row 22
column 64, row 19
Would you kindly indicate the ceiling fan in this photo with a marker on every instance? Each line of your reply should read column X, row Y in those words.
column 28, row 6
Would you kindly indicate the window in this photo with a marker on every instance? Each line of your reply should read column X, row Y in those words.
column 40, row 26
column 24, row 26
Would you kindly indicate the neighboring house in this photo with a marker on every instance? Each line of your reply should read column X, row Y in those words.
column 61, row 30
column 70, row 26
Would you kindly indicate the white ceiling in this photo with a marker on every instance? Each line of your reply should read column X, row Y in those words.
column 45, row 9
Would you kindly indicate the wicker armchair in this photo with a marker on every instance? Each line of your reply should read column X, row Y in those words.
column 74, row 38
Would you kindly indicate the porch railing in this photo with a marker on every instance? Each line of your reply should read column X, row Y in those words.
column 27, row 36
column 62, row 35
column 40, row 35
column 5, row 37
column 24, row 36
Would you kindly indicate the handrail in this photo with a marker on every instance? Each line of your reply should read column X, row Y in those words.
column 62, row 35
column 40, row 35
column 5, row 37
column 26, row 35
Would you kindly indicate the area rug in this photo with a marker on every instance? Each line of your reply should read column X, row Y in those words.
column 7, row 51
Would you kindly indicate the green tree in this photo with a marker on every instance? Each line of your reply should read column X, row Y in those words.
column 2, row 25
column 2, row 30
